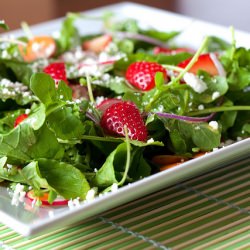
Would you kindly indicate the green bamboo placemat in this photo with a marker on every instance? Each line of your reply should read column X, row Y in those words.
column 210, row 211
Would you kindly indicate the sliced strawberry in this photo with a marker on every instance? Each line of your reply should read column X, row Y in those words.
column 122, row 114
column 59, row 201
column 159, row 50
column 206, row 62
column 20, row 119
column 142, row 74
column 106, row 103
column 97, row 44
column 57, row 71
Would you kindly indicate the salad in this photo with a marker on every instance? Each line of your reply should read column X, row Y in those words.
column 82, row 115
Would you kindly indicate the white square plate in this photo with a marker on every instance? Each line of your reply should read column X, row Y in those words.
column 28, row 221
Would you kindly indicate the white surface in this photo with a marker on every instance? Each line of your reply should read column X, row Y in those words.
column 27, row 220
column 225, row 12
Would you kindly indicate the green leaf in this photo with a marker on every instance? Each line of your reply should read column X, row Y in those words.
column 10, row 173
column 21, row 70
column 24, row 144
column 43, row 86
column 186, row 135
column 67, row 180
column 70, row 128
column 115, row 162
column 3, row 25
column 69, row 34
column 33, row 177
column 160, row 35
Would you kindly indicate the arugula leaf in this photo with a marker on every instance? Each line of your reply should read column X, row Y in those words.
column 24, row 144
column 9, row 173
column 185, row 136
column 67, row 180
column 32, row 176
column 216, row 44
column 115, row 162
column 20, row 70
column 58, row 108
column 69, row 34
column 43, row 86
column 160, row 35
column 3, row 25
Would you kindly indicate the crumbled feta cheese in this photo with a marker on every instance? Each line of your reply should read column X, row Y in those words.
column 73, row 203
column 18, row 195
column 195, row 82
column 151, row 140
column 201, row 107
column 99, row 99
column 215, row 95
column 114, row 187
column 90, row 195
column 214, row 125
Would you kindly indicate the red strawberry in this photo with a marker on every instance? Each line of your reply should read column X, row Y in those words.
column 106, row 103
column 158, row 50
column 57, row 71
column 124, row 113
column 206, row 62
column 19, row 119
column 97, row 44
column 142, row 74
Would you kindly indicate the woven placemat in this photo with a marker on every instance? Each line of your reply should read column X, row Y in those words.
column 210, row 211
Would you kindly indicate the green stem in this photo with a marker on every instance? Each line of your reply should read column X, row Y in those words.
column 193, row 60
column 27, row 30
column 219, row 109
column 124, row 177
column 182, row 72
column 90, row 92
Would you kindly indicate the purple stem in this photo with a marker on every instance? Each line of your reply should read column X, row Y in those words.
column 186, row 118
column 140, row 37
column 93, row 118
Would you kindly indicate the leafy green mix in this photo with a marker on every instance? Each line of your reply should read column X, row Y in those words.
column 59, row 149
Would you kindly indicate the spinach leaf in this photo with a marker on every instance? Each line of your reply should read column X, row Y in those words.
column 115, row 162
column 21, row 70
column 186, row 135
column 67, row 180
column 32, row 176
column 59, row 109
column 10, row 173
column 24, row 144
column 69, row 34
column 3, row 25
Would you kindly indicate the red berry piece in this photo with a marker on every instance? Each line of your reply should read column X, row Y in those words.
column 19, row 119
column 57, row 71
column 142, row 74
column 206, row 62
column 122, row 114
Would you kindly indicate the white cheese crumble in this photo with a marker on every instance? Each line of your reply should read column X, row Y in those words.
column 195, row 82
column 215, row 95
column 18, row 195
column 151, row 140
column 114, row 187
column 73, row 203
column 90, row 195
column 214, row 125
column 201, row 107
